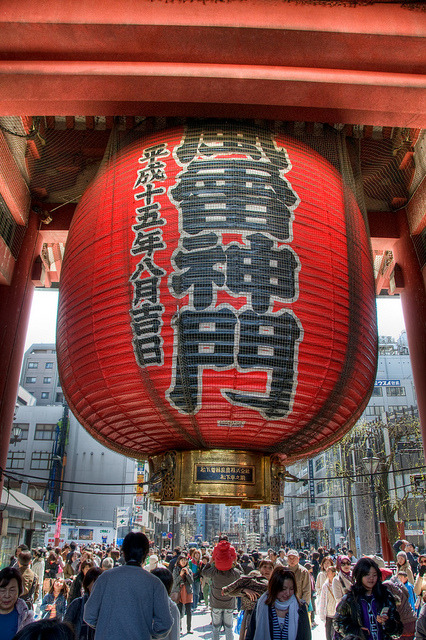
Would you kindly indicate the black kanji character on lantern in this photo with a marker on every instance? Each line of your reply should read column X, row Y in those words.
column 154, row 171
column 202, row 340
column 147, row 319
column 269, row 342
column 147, row 264
column 262, row 271
column 150, row 192
column 146, row 326
column 144, row 290
column 224, row 139
column 156, row 151
column 148, row 216
column 234, row 194
column 199, row 270
column 147, row 242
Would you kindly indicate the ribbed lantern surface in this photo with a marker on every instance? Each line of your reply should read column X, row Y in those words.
column 217, row 292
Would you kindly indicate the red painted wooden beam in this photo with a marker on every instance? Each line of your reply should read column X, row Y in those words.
column 93, row 86
column 253, row 58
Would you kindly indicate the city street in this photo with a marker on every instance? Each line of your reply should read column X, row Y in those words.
column 201, row 625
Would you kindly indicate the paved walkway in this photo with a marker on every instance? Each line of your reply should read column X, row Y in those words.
column 201, row 626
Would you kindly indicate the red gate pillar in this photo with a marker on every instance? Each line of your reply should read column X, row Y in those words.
column 15, row 305
column 413, row 298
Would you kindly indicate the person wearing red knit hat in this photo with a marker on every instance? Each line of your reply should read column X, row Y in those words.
column 222, row 572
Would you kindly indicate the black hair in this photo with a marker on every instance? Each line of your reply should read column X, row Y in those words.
column 24, row 558
column 135, row 547
column 180, row 558
column 46, row 630
column 165, row 576
column 91, row 576
column 276, row 583
column 360, row 570
column 7, row 574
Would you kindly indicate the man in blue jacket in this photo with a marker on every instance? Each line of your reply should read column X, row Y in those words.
column 127, row 602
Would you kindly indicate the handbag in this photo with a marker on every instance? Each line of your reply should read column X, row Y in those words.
column 239, row 621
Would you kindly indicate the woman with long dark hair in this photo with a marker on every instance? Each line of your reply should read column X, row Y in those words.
column 182, row 589
column 368, row 610
column 54, row 603
column 279, row 614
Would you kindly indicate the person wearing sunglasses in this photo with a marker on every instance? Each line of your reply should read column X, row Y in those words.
column 343, row 581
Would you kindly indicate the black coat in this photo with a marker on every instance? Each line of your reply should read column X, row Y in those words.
column 74, row 615
column 348, row 618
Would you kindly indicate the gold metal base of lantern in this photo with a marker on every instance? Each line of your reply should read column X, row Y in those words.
column 242, row 478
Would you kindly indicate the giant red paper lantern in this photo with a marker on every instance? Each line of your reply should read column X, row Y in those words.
column 217, row 293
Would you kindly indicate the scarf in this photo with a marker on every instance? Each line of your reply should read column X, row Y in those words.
column 262, row 617
column 292, row 607
column 346, row 580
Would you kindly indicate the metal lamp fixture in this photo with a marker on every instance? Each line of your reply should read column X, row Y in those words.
column 371, row 462
column 16, row 435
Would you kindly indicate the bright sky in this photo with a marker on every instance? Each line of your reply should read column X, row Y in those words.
column 42, row 325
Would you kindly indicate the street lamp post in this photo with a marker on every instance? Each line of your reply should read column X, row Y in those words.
column 16, row 435
column 371, row 464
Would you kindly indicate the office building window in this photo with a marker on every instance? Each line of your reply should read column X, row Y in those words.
column 377, row 391
column 15, row 459
column 395, row 391
column 33, row 365
column 44, row 395
column 320, row 487
column 24, row 426
column 40, row 460
column 59, row 397
column 45, row 432
column 30, row 380
column 47, row 380
column 374, row 411
column 397, row 408
column 319, row 463
column 48, row 365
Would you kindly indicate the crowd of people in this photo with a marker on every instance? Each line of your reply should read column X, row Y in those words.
column 139, row 592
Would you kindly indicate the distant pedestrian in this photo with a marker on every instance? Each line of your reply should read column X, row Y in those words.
column 412, row 557
column 303, row 579
column 421, row 623
column 167, row 579
column 74, row 613
column 402, row 564
column 195, row 566
column 54, row 603
column 182, row 589
column 420, row 583
column 30, row 583
column 327, row 602
column 322, row 575
column 343, row 581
